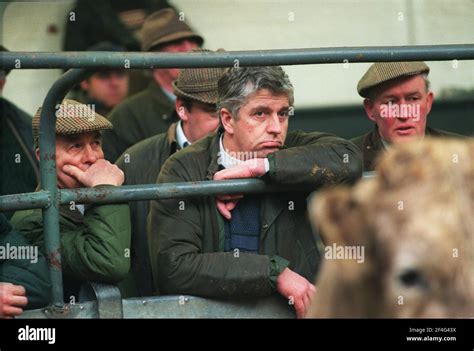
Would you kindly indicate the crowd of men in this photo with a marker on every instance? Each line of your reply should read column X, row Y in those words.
column 196, row 124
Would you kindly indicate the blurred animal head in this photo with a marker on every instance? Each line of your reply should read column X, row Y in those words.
column 414, row 225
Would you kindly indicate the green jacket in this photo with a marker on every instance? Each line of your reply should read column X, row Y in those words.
column 141, row 116
column 33, row 276
column 371, row 144
column 94, row 246
column 141, row 164
column 186, row 236
column 19, row 171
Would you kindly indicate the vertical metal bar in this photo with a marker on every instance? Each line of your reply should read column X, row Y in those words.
column 47, row 146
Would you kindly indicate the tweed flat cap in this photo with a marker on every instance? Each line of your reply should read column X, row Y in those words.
column 381, row 72
column 72, row 117
column 164, row 26
column 199, row 83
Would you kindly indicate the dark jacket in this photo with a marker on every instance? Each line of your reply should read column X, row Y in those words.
column 94, row 246
column 33, row 276
column 96, row 21
column 143, row 115
column 371, row 144
column 141, row 164
column 19, row 169
column 186, row 236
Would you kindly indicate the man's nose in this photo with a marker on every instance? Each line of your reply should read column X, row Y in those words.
column 274, row 124
column 187, row 45
column 90, row 155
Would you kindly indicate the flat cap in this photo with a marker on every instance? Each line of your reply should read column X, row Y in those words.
column 72, row 117
column 381, row 72
column 163, row 27
column 199, row 83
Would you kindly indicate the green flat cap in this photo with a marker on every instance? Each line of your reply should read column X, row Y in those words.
column 163, row 27
column 199, row 83
column 72, row 117
column 381, row 72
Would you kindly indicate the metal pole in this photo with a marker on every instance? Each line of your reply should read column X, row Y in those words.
column 110, row 194
column 90, row 59
column 47, row 146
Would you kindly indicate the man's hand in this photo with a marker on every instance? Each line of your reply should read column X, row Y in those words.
column 101, row 172
column 295, row 287
column 12, row 300
column 249, row 169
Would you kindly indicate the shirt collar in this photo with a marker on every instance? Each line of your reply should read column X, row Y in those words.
column 224, row 159
column 180, row 137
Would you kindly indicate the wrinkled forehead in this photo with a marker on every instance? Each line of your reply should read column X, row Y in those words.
column 267, row 97
column 410, row 84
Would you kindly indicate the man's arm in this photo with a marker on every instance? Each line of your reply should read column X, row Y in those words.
column 315, row 159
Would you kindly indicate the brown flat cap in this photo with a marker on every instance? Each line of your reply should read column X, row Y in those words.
column 199, row 83
column 72, row 118
column 164, row 26
column 381, row 72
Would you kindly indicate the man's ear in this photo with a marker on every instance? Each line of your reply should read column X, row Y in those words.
column 429, row 102
column 368, row 106
column 37, row 154
column 85, row 85
column 227, row 120
column 181, row 109
column 338, row 215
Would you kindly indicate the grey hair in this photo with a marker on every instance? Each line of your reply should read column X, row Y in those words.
column 237, row 84
column 427, row 81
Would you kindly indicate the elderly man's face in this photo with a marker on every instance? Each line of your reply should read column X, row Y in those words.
column 80, row 150
column 399, row 108
column 262, row 124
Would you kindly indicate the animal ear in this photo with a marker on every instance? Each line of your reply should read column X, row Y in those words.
column 338, row 216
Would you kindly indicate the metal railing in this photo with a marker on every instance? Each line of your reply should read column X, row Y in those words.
column 50, row 197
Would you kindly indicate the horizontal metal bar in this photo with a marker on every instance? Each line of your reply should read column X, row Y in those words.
column 101, row 59
column 109, row 194
column 172, row 306
column 15, row 202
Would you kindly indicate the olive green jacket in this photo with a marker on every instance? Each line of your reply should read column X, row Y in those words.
column 94, row 246
column 371, row 145
column 186, row 236
column 141, row 164
column 141, row 116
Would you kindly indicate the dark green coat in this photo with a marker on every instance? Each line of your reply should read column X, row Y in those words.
column 141, row 116
column 18, row 166
column 33, row 276
column 186, row 236
column 141, row 164
column 94, row 247
column 371, row 144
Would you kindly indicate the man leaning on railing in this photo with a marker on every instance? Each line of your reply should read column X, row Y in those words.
column 95, row 240
column 252, row 245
